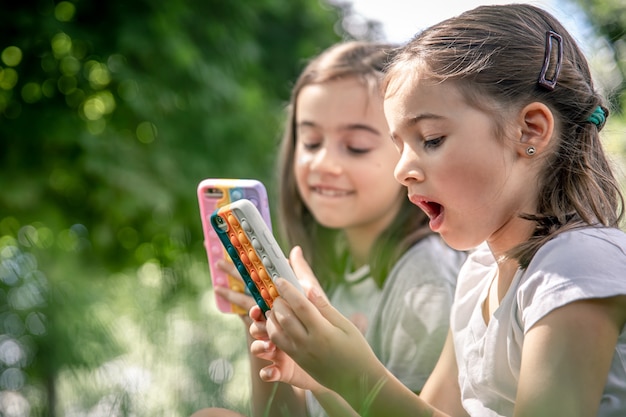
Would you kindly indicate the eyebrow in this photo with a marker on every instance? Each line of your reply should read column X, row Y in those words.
column 409, row 122
column 350, row 126
column 412, row 121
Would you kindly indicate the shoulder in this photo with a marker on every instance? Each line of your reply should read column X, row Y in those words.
column 584, row 251
column 589, row 237
column 584, row 263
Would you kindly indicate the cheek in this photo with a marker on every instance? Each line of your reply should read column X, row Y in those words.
column 301, row 163
column 478, row 182
column 379, row 176
column 385, row 162
column 302, row 159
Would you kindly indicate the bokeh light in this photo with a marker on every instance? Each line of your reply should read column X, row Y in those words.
column 31, row 92
column 23, row 297
column 8, row 78
column 61, row 45
column 11, row 56
column 146, row 132
column 64, row 11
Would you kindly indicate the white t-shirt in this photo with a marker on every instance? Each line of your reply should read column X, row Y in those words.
column 408, row 319
column 579, row 264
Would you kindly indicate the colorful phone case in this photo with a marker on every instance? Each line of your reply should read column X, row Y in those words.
column 212, row 194
column 253, row 249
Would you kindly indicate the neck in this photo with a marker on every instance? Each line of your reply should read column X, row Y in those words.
column 361, row 238
column 359, row 245
column 499, row 286
column 506, row 271
column 507, row 268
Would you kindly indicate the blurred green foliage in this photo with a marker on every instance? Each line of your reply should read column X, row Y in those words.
column 110, row 115
column 111, row 112
column 608, row 18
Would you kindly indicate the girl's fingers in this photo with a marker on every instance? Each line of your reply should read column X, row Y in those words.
column 267, row 350
column 256, row 313
column 235, row 297
column 295, row 312
column 263, row 349
column 229, row 268
column 297, row 325
column 285, row 317
column 240, row 299
column 258, row 330
column 277, row 317
column 270, row 373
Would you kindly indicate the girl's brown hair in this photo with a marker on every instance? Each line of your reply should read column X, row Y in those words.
column 325, row 248
column 495, row 55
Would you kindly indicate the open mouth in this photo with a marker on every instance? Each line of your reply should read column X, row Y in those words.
column 432, row 209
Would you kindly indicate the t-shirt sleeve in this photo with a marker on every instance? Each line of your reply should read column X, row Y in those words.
column 576, row 265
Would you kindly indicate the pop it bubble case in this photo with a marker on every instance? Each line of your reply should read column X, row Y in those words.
column 212, row 194
column 253, row 249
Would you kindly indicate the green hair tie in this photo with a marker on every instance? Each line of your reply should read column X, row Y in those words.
column 598, row 117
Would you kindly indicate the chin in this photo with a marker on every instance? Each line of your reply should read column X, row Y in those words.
column 331, row 223
column 457, row 243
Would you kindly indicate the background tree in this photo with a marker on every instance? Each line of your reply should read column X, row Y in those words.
column 608, row 18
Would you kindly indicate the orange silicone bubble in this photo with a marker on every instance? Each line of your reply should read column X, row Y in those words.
column 255, row 267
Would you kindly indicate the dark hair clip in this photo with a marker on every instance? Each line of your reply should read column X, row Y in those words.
column 550, row 83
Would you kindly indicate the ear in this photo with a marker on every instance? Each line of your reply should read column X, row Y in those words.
column 536, row 123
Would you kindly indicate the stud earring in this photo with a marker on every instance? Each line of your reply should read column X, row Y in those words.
column 530, row 151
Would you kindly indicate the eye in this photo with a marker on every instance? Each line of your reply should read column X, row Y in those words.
column 358, row 151
column 309, row 142
column 311, row 146
column 434, row 143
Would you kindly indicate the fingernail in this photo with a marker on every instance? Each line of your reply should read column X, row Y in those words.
column 268, row 346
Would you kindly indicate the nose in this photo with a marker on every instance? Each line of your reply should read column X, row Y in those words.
column 325, row 160
column 407, row 169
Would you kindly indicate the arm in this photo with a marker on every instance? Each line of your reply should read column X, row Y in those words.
column 282, row 368
column 332, row 351
column 566, row 358
column 274, row 399
column 442, row 388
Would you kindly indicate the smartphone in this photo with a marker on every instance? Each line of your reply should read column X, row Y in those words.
column 212, row 194
column 253, row 249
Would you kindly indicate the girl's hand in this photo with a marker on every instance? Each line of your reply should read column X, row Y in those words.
column 242, row 300
column 321, row 341
column 282, row 368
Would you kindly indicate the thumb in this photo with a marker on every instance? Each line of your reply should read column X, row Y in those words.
column 303, row 271
column 318, row 299
column 330, row 313
column 312, row 287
